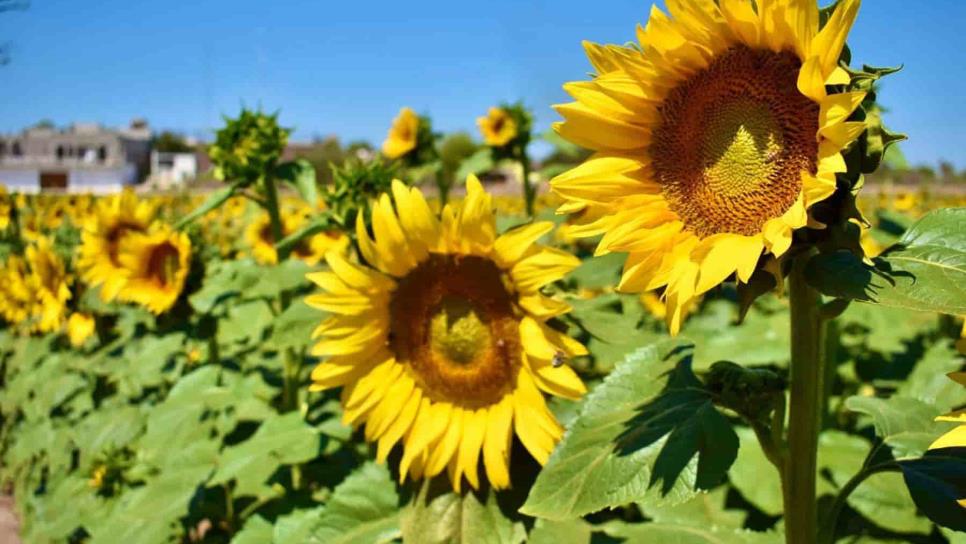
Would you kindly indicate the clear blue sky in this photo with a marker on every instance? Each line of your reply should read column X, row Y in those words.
column 345, row 67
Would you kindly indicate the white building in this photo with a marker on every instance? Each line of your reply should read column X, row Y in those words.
column 172, row 169
column 83, row 158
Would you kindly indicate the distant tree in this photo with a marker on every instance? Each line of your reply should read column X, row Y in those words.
column 453, row 150
column 171, row 142
column 45, row 123
column 947, row 173
column 322, row 153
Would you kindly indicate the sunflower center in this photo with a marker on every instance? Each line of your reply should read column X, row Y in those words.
column 457, row 332
column 163, row 263
column 452, row 322
column 733, row 141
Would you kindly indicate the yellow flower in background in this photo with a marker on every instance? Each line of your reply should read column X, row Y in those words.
column 155, row 265
column 711, row 142
column 4, row 208
column 654, row 305
column 403, row 134
column 80, row 327
column 113, row 219
column 497, row 127
column 49, row 284
column 16, row 297
column 442, row 342
column 258, row 235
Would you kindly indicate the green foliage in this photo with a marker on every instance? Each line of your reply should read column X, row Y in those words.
column 650, row 421
column 171, row 142
column 925, row 270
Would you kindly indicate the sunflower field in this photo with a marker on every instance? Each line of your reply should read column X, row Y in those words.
column 701, row 327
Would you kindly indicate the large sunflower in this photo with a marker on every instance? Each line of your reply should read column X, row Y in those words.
column 112, row 220
column 443, row 342
column 155, row 265
column 712, row 139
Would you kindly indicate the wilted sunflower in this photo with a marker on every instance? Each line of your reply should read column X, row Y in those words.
column 155, row 265
column 80, row 327
column 712, row 140
column 497, row 127
column 112, row 220
column 403, row 134
column 443, row 343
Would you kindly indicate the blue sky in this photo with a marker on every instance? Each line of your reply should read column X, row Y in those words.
column 345, row 67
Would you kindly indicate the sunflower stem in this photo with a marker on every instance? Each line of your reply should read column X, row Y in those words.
column 806, row 401
column 274, row 214
column 529, row 191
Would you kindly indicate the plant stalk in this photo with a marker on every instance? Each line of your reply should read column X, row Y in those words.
column 806, row 402
column 274, row 214
column 529, row 191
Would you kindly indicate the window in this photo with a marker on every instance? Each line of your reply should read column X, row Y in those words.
column 60, row 152
column 15, row 149
column 102, row 154
column 3, row 148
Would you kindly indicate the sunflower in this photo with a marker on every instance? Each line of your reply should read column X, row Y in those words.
column 4, row 208
column 112, row 220
column 80, row 327
column 711, row 140
column 403, row 134
column 497, row 127
column 155, row 265
column 15, row 295
column 443, row 343
column 48, row 284
column 260, row 239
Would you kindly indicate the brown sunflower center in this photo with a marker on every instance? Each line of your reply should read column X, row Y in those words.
column 163, row 263
column 452, row 321
column 733, row 140
column 114, row 236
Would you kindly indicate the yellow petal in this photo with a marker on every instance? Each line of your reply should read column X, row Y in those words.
column 827, row 45
column 496, row 445
column 542, row 342
column 448, row 443
column 399, row 427
column 541, row 268
column 431, row 421
column 474, row 429
column 811, row 82
column 953, row 439
column 512, row 245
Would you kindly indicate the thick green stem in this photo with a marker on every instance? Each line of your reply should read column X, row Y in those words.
column 529, row 191
column 806, row 401
column 826, row 533
column 274, row 214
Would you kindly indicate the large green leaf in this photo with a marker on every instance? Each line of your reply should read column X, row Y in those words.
column 573, row 531
column 929, row 382
column 883, row 500
column 457, row 518
column 937, row 481
column 925, row 270
column 475, row 164
column 755, row 477
column 905, row 424
column 687, row 534
column 293, row 327
column 704, row 510
column 650, row 421
column 363, row 509
column 283, row 439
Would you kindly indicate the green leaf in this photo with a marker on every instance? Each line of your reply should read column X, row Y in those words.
column 687, row 534
column 297, row 526
column 293, row 328
column 937, row 481
column 257, row 530
column 301, row 175
column 363, row 509
column 649, row 421
column 754, row 476
column 929, row 382
column 245, row 322
column 280, row 440
column 883, row 500
column 573, row 531
column 214, row 200
column 925, row 270
column 704, row 510
column 223, row 281
column 762, row 338
column 599, row 272
column 905, row 424
column 475, row 164
column 453, row 518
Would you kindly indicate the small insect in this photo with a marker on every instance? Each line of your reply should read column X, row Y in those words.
column 559, row 358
